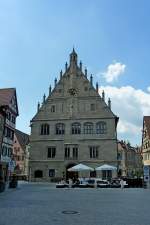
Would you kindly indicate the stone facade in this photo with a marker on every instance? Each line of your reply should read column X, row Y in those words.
column 129, row 160
column 8, row 101
column 146, row 141
column 73, row 125
column 20, row 153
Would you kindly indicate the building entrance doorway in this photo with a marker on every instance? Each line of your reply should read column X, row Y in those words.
column 71, row 174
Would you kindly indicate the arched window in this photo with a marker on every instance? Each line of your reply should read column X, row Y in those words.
column 88, row 128
column 60, row 128
column 101, row 128
column 44, row 129
column 76, row 128
column 38, row 174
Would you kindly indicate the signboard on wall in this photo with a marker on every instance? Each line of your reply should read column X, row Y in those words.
column 146, row 171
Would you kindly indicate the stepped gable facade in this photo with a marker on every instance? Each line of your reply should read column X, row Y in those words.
column 73, row 125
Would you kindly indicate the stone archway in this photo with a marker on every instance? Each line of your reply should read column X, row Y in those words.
column 71, row 174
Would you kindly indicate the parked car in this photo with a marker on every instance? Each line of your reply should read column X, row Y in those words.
column 115, row 183
column 103, row 184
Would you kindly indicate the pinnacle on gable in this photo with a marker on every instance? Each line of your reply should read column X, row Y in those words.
column 109, row 103
column 44, row 98
column 66, row 66
column 81, row 66
column 97, row 87
column 85, row 71
column 60, row 74
column 50, row 90
column 91, row 79
column 55, row 82
column 38, row 106
column 103, row 95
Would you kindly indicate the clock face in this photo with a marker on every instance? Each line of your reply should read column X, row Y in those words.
column 72, row 91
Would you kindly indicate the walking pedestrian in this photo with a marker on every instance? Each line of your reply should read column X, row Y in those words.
column 122, row 183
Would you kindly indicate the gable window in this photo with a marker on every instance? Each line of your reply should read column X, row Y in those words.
column 60, row 128
column 101, row 128
column 51, row 152
column 93, row 151
column 76, row 128
column 53, row 108
column 93, row 107
column 45, row 129
column 88, row 128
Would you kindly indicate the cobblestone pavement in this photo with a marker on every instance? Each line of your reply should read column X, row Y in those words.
column 43, row 204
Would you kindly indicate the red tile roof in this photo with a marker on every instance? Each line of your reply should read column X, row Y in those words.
column 22, row 138
column 6, row 95
column 147, row 124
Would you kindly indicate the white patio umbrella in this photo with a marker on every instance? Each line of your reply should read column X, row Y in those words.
column 80, row 167
column 106, row 167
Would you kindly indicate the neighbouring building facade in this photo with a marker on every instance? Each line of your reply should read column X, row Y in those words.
column 129, row 160
column 21, row 153
column 2, row 125
column 146, row 141
column 8, row 103
column 72, row 125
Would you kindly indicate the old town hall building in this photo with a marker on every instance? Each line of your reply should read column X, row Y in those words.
column 73, row 125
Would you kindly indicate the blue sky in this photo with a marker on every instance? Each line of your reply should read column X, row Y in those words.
column 37, row 36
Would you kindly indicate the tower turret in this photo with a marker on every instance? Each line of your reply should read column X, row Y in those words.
column 73, row 59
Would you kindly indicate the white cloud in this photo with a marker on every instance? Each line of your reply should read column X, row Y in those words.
column 148, row 89
column 130, row 105
column 114, row 71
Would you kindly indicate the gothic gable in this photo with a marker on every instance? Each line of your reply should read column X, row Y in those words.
column 74, row 96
